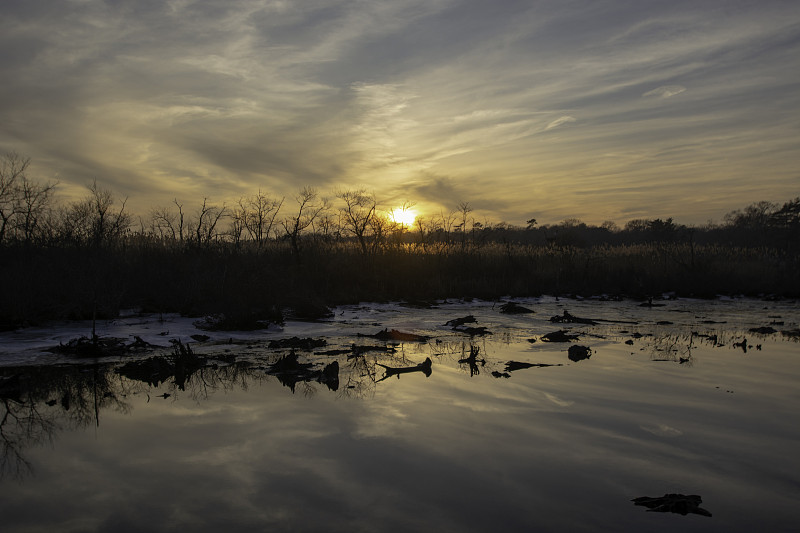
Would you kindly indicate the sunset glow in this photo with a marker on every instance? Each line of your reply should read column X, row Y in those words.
column 405, row 217
column 591, row 110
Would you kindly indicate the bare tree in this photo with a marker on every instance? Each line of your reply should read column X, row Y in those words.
column 422, row 225
column 163, row 222
column 359, row 208
column 256, row 214
column 310, row 207
column 205, row 222
column 12, row 172
column 464, row 209
column 168, row 223
column 381, row 227
column 97, row 220
column 444, row 223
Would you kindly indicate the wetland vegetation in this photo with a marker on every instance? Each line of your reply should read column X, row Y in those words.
column 264, row 257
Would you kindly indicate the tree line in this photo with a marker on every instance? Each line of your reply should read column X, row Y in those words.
column 263, row 256
column 32, row 214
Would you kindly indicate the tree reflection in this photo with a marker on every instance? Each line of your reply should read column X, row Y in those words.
column 38, row 402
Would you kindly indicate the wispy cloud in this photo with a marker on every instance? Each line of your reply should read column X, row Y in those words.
column 560, row 121
column 666, row 91
column 542, row 109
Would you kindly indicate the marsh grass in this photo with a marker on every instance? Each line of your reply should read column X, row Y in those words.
column 249, row 284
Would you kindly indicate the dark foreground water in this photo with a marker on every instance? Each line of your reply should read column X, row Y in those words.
column 681, row 399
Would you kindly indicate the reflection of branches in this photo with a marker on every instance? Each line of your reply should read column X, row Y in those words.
column 39, row 401
column 672, row 347
column 208, row 379
column 361, row 377
column 472, row 360
column 22, row 425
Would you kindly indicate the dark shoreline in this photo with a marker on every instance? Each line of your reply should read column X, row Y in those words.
column 248, row 285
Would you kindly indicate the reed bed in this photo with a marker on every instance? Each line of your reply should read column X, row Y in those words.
column 78, row 283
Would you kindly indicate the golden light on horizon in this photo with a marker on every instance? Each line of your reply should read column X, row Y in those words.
column 404, row 216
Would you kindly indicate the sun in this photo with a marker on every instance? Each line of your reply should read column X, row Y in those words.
column 406, row 217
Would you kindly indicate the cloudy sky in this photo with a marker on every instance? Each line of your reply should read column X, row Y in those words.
column 550, row 109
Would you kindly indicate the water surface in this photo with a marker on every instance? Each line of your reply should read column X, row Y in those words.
column 682, row 398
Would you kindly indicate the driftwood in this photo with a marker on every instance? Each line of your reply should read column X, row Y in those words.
column 517, row 365
column 424, row 367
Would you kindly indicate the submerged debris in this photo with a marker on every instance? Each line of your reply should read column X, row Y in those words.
column 419, row 304
column 517, row 365
column 240, row 322
column 673, row 503
column 473, row 332
column 457, row 324
column 102, row 347
column 764, row 330
column 579, row 353
column 512, row 308
column 454, row 323
column 395, row 335
column 357, row 350
column 559, row 336
column 297, row 343
column 155, row 370
column 567, row 318
column 792, row 333
column 290, row 372
column 649, row 303
column 424, row 367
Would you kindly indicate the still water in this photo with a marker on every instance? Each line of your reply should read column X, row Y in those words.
column 681, row 397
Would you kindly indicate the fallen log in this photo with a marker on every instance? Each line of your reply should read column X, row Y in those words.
column 424, row 367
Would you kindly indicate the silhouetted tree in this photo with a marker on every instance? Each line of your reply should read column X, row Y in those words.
column 97, row 220
column 310, row 206
column 256, row 214
column 754, row 216
column 359, row 208
column 206, row 221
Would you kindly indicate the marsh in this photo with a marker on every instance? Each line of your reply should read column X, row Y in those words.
column 693, row 397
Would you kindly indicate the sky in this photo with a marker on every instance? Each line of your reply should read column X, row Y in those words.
column 552, row 109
